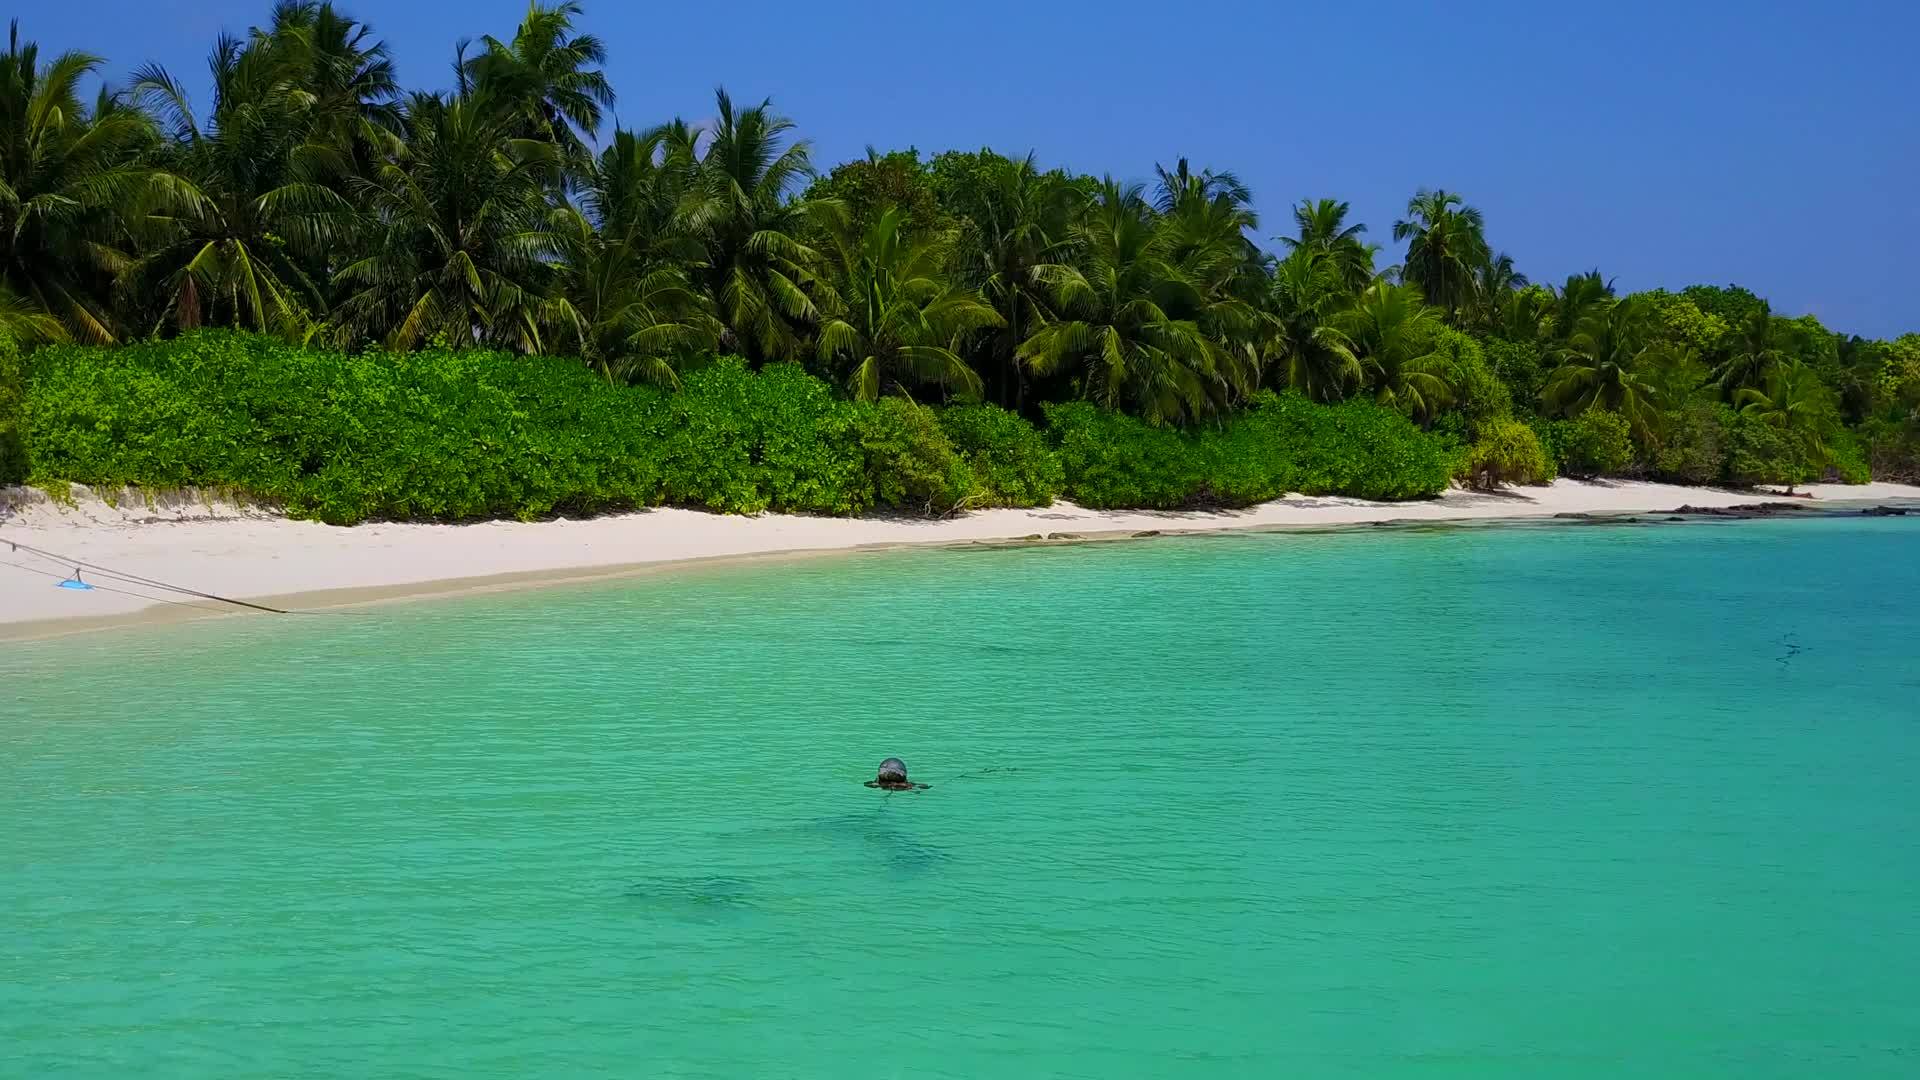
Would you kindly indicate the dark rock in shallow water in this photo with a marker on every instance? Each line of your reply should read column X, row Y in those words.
column 1676, row 519
column 1885, row 511
column 1147, row 532
column 1065, row 536
column 1752, row 510
column 1574, row 516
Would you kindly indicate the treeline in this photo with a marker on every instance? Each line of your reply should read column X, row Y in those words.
column 317, row 202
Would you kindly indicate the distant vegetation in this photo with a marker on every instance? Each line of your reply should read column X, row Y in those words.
column 480, row 302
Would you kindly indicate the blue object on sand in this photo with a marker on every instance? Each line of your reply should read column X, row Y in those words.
column 75, row 583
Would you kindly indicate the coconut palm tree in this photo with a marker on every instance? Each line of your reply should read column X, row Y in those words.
column 236, row 203
column 1021, row 220
column 1393, row 333
column 1496, row 285
column 355, row 108
column 24, row 322
column 639, row 318
column 1612, row 360
column 1446, row 246
column 1321, row 226
column 1754, row 350
column 1130, row 320
column 1181, row 185
column 467, row 243
column 1205, row 219
column 1582, row 295
column 1204, row 222
column 543, row 80
column 627, row 270
column 1309, row 352
column 758, row 269
column 895, row 317
column 67, row 180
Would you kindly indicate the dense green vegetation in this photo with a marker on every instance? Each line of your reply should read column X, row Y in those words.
column 472, row 433
column 480, row 301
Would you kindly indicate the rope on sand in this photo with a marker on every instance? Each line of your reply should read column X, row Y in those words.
column 136, row 579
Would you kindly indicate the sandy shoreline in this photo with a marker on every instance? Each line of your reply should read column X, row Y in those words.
column 254, row 555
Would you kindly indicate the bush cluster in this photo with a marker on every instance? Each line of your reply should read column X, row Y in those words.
column 449, row 435
column 1595, row 443
column 1011, row 461
column 1281, row 443
column 460, row 435
column 1506, row 452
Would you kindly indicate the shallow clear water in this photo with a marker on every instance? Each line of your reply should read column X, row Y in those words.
column 1471, row 802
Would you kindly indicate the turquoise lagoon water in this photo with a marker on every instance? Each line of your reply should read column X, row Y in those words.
column 1491, row 802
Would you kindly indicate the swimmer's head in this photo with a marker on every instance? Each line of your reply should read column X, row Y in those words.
column 893, row 771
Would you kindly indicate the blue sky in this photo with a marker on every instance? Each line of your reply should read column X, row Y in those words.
column 1775, row 145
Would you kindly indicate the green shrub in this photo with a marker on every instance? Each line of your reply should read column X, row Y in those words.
column 1848, row 458
column 1692, row 445
column 1893, row 447
column 1759, row 453
column 1355, row 448
column 1595, row 443
column 439, row 435
column 13, row 450
column 1113, row 460
column 1480, row 398
column 1506, row 452
column 1281, row 443
column 1011, row 462
column 1521, row 365
column 739, row 442
column 911, row 461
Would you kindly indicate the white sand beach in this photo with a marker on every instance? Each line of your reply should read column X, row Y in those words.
column 252, row 554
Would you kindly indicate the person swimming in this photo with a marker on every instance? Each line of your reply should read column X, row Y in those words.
column 893, row 777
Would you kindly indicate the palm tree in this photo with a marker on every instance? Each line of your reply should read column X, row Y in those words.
column 1183, row 186
column 1582, row 295
column 23, row 322
column 896, row 318
column 627, row 271
column 1496, row 284
column 638, row 319
column 1754, row 351
column 757, row 268
column 236, row 205
column 66, row 182
column 1204, row 222
column 467, row 240
column 1311, row 353
column 1023, row 220
column 1393, row 333
column 1527, row 315
column 1446, row 246
column 1131, row 320
column 541, row 80
column 1612, row 360
column 355, row 109
column 1321, row 226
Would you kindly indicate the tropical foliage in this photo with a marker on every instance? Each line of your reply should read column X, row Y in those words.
column 1045, row 327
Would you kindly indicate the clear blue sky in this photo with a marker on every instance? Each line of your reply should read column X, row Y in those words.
column 1768, row 143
